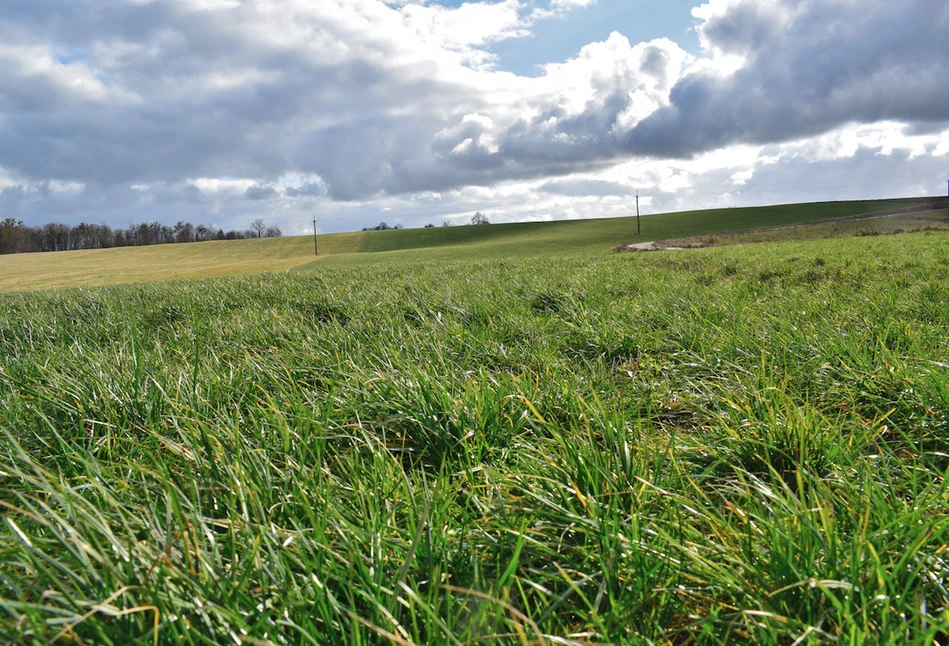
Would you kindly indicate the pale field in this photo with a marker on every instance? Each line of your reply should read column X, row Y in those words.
column 37, row 271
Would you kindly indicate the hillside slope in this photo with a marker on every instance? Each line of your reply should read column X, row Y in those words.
column 585, row 237
column 27, row 272
column 606, row 230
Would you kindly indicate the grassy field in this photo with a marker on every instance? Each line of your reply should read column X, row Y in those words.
column 875, row 226
column 37, row 271
column 582, row 238
column 26, row 272
column 583, row 235
column 716, row 446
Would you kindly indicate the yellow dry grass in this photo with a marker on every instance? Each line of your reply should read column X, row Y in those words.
column 35, row 271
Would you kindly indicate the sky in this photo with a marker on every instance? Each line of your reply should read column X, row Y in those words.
column 412, row 112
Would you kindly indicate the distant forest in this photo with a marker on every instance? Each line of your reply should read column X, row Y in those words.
column 16, row 237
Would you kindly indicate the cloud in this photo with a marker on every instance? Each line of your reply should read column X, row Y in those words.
column 809, row 68
column 220, row 107
column 179, row 194
column 10, row 198
column 571, row 4
column 364, row 94
column 577, row 110
column 258, row 193
column 309, row 189
column 587, row 187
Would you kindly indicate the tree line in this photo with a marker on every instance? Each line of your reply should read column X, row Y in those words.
column 477, row 218
column 17, row 237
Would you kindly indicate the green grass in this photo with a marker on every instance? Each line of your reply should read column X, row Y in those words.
column 27, row 272
column 884, row 225
column 582, row 238
column 725, row 445
column 581, row 234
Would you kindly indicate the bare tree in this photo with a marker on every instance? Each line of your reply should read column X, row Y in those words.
column 479, row 218
column 258, row 228
column 203, row 233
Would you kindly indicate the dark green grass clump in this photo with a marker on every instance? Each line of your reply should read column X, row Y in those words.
column 739, row 445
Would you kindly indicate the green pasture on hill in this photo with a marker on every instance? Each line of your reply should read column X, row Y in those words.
column 578, row 238
column 568, row 235
column 731, row 445
column 584, row 237
column 862, row 227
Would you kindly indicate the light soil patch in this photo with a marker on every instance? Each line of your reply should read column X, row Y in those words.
column 650, row 246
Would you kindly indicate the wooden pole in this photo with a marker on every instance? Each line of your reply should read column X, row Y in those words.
column 316, row 247
column 638, row 228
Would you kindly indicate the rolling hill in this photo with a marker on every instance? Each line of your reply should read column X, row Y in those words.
column 27, row 272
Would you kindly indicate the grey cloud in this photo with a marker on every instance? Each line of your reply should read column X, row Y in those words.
column 836, row 63
column 587, row 135
column 181, row 125
column 10, row 198
column 655, row 61
column 258, row 193
column 748, row 26
column 926, row 128
column 170, row 123
column 40, row 203
column 309, row 189
column 476, row 154
column 586, row 187
column 186, row 194
column 289, row 112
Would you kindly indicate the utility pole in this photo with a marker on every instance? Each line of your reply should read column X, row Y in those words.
column 316, row 247
column 638, row 228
